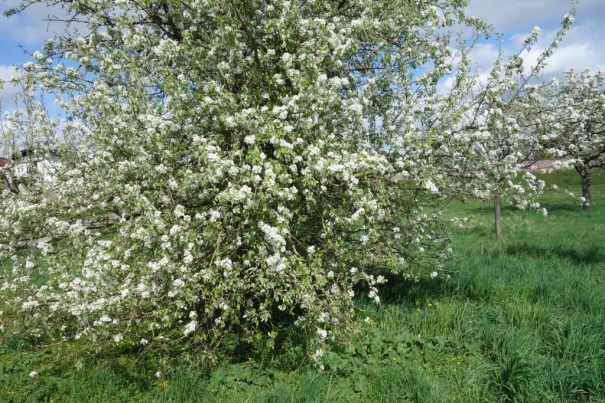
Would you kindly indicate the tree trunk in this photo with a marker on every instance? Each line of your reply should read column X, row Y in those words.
column 586, row 192
column 585, row 175
column 498, row 217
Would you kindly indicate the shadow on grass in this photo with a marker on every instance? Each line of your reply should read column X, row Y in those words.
column 488, row 209
column 552, row 208
column 474, row 283
column 412, row 293
column 286, row 352
column 588, row 255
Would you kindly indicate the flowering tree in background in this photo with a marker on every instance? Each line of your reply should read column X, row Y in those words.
column 479, row 147
column 572, row 123
column 36, row 131
column 220, row 166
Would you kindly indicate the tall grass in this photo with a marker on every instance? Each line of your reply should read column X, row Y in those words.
column 520, row 320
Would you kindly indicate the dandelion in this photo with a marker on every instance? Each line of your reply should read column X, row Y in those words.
column 33, row 374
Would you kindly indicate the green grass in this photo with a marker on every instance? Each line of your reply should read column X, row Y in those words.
column 521, row 320
column 572, row 179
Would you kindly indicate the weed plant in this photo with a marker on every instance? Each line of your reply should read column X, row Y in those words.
column 520, row 320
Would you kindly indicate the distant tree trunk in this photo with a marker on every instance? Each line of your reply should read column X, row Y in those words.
column 585, row 174
column 498, row 218
column 586, row 192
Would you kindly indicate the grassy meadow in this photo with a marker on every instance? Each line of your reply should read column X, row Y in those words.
column 520, row 320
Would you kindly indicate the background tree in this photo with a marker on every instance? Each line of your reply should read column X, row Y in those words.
column 28, row 134
column 483, row 143
column 573, row 123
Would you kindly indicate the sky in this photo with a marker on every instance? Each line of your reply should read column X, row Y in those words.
column 582, row 48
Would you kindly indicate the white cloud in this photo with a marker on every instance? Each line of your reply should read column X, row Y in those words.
column 578, row 57
column 581, row 47
column 522, row 15
column 484, row 55
column 31, row 26
column 27, row 27
column 6, row 93
column 580, row 50
column 8, row 72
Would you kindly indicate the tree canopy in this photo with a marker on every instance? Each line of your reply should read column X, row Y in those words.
column 572, row 123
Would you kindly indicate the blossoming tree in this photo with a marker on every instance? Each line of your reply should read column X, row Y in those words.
column 221, row 167
column 477, row 147
column 573, row 123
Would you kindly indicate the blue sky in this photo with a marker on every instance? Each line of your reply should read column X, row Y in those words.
column 582, row 48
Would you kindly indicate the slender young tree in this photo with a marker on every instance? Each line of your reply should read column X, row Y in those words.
column 488, row 144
